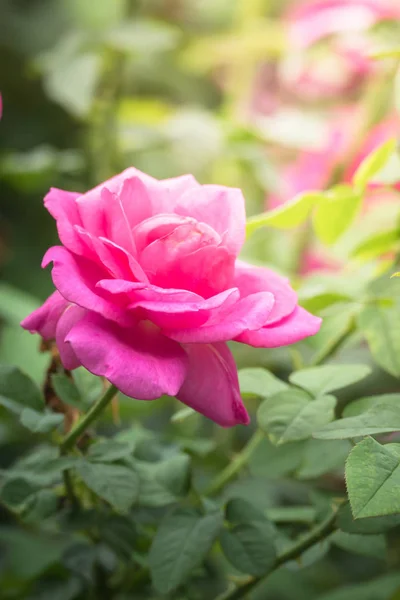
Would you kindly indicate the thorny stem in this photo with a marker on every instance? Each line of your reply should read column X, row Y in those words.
column 317, row 534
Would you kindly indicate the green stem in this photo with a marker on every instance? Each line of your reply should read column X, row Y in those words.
column 235, row 465
column 88, row 418
column 69, row 490
column 319, row 533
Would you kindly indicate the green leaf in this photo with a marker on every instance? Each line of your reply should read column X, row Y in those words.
column 378, row 589
column 368, row 545
column 164, row 482
column 40, row 422
column 336, row 326
column 321, row 380
column 18, row 391
column 80, row 558
column 335, row 212
column 373, row 163
column 364, row 404
column 292, row 514
column 377, row 244
column 259, row 382
column 180, row 545
column 29, row 554
column 378, row 419
column 67, row 391
column 373, row 479
column 15, row 492
column 57, row 590
column 321, row 457
column 292, row 415
column 107, row 451
column 288, row 215
column 271, row 462
column 90, row 386
column 249, row 547
column 182, row 414
column 239, row 511
column 381, row 327
column 370, row 525
column 116, row 484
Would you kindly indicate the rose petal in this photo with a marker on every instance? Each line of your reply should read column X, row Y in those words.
column 63, row 208
column 211, row 386
column 44, row 320
column 250, row 279
column 140, row 361
column 75, row 278
column 249, row 313
column 297, row 326
column 220, row 207
column 69, row 318
column 180, row 314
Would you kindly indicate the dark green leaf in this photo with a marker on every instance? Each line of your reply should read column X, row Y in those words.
column 370, row 525
column 79, row 558
column 377, row 589
column 239, row 511
column 17, row 391
column 163, row 482
column 249, row 547
column 367, row 545
column 181, row 543
column 110, row 450
column 15, row 492
column 116, row 484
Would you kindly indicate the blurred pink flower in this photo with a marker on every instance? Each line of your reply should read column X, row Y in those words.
column 149, row 290
column 345, row 63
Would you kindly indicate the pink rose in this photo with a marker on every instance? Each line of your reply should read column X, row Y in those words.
column 347, row 63
column 149, row 291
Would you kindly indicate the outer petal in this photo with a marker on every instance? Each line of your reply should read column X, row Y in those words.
column 297, row 326
column 211, row 386
column 63, row 207
column 249, row 313
column 76, row 278
column 220, row 207
column 250, row 279
column 140, row 361
column 69, row 318
column 44, row 320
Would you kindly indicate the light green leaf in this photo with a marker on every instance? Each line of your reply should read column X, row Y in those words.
column 373, row 479
column 18, row 391
column 181, row 543
column 335, row 212
column 259, row 382
column 336, row 326
column 378, row 419
column 67, row 391
column 292, row 415
column 116, row 484
column 321, row 457
column 40, row 422
column 363, row 404
column 321, row 380
column 291, row 214
column 249, row 547
column 381, row 328
column 182, row 414
column 377, row 244
column 373, row 163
